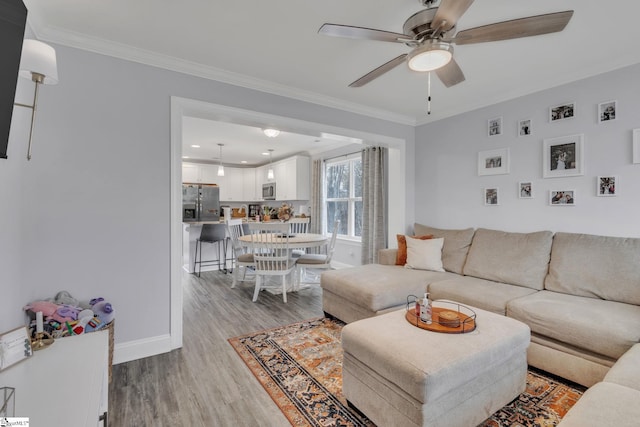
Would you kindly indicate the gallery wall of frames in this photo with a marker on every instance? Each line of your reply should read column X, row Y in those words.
column 562, row 159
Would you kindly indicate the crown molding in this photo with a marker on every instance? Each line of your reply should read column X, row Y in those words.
column 130, row 53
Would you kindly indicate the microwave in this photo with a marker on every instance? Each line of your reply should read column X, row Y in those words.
column 269, row 191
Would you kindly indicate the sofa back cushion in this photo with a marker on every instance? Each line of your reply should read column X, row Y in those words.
column 520, row 259
column 455, row 248
column 595, row 266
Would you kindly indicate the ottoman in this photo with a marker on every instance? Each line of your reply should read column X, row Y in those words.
column 398, row 374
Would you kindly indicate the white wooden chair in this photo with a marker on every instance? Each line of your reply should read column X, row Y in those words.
column 317, row 261
column 271, row 254
column 297, row 226
column 242, row 257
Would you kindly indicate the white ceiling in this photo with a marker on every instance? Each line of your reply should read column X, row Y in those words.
column 274, row 46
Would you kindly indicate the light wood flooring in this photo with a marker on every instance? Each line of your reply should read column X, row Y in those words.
column 205, row 383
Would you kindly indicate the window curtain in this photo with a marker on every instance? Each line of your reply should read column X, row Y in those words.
column 317, row 202
column 374, row 227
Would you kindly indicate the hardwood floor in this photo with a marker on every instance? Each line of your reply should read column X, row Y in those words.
column 205, row 383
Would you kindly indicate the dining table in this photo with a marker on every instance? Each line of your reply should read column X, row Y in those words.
column 296, row 240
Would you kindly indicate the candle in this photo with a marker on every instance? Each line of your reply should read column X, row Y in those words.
column 39, row 327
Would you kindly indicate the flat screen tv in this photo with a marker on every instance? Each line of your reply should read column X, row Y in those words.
column 13, row 19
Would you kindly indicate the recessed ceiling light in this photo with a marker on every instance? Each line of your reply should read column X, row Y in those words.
column 271, row 133
column 265, row 154
column 243, row 161
column 195, row 146
column 185, row 157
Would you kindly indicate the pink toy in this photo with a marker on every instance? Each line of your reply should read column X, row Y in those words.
column 47, row 308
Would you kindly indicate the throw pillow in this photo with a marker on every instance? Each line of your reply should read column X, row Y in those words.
column 425, row 254
column 401, row 257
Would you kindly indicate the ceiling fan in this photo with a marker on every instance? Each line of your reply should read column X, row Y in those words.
column 430, row 34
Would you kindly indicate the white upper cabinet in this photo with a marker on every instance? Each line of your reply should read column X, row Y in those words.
column 292, row 177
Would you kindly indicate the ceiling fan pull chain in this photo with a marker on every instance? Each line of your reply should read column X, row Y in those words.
column 429, row 93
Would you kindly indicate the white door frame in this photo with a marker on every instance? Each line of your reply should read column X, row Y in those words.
column 183, row 107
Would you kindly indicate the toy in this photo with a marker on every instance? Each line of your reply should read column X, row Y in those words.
column 104, row 314
column 66, row 313
column 47, row 308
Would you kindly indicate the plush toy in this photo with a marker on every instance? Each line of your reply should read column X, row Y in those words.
column 47, row 308
column 104, row 313
column 66, row 313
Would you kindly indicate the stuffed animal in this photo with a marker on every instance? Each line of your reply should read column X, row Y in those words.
column 104, row 314
column 66, row 313
column 47, row 308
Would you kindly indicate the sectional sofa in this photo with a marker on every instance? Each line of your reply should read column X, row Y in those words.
column 579, row 293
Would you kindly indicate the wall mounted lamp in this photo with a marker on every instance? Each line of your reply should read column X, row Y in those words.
column 38, row 63
column 220, row 167
column 270, row 174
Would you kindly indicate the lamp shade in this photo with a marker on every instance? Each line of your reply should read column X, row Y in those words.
column 40, row 58
column 431, row 56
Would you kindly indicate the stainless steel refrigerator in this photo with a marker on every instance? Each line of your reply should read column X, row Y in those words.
column 200, row 202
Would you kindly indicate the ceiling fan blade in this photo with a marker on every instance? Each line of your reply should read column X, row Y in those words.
column 379, row 71
column 516, row 28
column 351, row 32
column 449, row 12
column 450, row 74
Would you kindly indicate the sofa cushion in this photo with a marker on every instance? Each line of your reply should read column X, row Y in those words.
column 455, row 248
column 626, row 371
column 425, row 254
column 595, row 266
column 605, row 327
column 484, row 294
column 516, row 258
column 605, row 404
column 401, row 256
column 378, row 287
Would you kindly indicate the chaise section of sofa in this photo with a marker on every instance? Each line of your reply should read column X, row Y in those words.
column 359, row 292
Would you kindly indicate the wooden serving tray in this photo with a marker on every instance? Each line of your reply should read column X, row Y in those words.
column 467, row 324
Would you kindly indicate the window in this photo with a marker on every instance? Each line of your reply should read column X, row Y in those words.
column 343, row 180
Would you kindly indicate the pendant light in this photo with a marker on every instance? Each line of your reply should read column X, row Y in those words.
column 220, row 167
column 270, row 171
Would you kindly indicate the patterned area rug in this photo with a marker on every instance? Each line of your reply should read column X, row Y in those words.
column 300, row 366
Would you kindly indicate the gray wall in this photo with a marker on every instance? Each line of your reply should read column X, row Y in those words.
column 91, row 212
column 450, row 192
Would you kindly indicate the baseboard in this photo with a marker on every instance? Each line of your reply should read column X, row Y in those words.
column 139, row 349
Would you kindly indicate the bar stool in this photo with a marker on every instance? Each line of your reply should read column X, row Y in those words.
column 216, row 235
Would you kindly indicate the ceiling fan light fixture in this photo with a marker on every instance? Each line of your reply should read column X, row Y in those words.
column 430, row 56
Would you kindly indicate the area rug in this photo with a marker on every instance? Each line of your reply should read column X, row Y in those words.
column 300, row 367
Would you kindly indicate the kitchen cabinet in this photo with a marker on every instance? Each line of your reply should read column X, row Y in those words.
column 200, row 173
column 231, row 185
column 249, row 185
column 293, row 178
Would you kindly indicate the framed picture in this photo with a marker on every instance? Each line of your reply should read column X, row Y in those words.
column 15, row 346
column 607, row 111
column 494, row 126
column 563, row 156
column 493, row 162
column 562, row 112
column 525, row 190
column 562, row 197
column 636, row 146
column 524, row 127
column 607, row 186
column 491, row 197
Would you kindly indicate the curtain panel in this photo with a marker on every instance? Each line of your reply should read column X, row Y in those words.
column 374, row 227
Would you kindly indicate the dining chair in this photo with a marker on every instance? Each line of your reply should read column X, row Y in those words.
column 242, row 257
column 317, row 261
column 271, row 254
column 297, row 226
